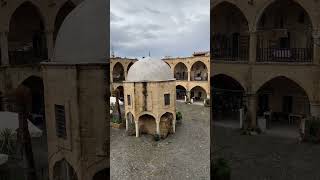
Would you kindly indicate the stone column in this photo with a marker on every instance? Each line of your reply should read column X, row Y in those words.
column 137, row 128
column 174, row 125
column 4, row 48
column 315, row 109
column 253, row 47
column 127, row 124
column 316, row 47
column 158, row 127
column 189, row 75
column 252, row 109
column 50, row 44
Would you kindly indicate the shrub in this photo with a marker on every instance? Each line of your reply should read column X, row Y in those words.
column 116, row 119
column 178, row 116
column 207, row 103
column 312, row 130
column 157, row 137
column 7, row 142
column 221, row 170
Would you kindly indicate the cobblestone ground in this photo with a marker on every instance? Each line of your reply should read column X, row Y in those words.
column 266, row 157
column 183, row 155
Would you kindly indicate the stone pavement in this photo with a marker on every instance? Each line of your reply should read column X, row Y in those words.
column 266, row 157
column 183, row 155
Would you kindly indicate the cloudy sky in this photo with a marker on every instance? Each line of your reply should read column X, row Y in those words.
column 163, row 27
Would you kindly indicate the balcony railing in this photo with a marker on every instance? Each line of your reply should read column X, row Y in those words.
column 292, row 55
column 230, row 54
column 182, row 76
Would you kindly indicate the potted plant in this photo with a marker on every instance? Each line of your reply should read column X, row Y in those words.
column 178, row 117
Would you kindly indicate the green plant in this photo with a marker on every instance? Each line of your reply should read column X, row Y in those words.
column 157, row 137
column 116, row 119
column 221, row 170
column 178, row 116
column 312, row 130
column 7, row 141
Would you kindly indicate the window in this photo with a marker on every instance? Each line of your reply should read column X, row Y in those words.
column 167, row 99
column 129, row 100
column 61, row 131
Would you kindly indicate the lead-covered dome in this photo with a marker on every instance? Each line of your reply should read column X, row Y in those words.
column 83, row 36
column 148, row 69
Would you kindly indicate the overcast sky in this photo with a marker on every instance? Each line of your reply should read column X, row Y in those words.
column 163, row 27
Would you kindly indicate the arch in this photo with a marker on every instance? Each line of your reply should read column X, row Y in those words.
column 129, row 66
column 166, row 124
column 230, row 26
column 271, row 2
column 26, row 38
column 36, row 105
column 63, row 170
column 228, row 97
column 147, row 124
column 181, row 92
column 198, row 93
column 216, row 4
column 121, row 92
column 63, row 12
column 181, row 71
column 118, row 72
column 284, row 95
column 102, row 174
column 199, row 71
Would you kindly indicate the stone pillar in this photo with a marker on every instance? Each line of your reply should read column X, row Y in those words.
column 174, row 125
column 189, row 75
column 137, row 128
column 253, row 47
column 50, row 44
column 252, row 109
column 158, row 127
column 316, row 47
column 127, row 124
column 315, row 109
column 4, row 48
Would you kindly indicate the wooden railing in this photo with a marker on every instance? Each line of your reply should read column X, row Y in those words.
column 292, row 55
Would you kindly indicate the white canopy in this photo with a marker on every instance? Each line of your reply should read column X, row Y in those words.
column 9, row 120
column 113, row 101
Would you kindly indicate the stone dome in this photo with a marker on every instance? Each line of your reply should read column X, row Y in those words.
column 83, row 36
column 148, row 69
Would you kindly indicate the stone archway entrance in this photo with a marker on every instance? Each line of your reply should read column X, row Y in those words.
column 62, row 170
column 227, row 98
column 198, row 94
column 283, row 103
column 166, row 122
column 181, row 92
column 147, row 124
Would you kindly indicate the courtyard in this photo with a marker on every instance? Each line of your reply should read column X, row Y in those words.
column 183, row 155
column 266, row 156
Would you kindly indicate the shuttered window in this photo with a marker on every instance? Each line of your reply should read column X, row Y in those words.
column 167, row 99
column 60, row 121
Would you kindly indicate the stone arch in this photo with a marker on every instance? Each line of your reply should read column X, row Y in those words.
column 118, row 74
column 166, row 124
column 271, row 2
column 198, row 93
column 228, row 97
column 147, row 124
column 181, row 71
column 199, row 71
column 181, row 92
column 36, row 106
column 27, row 44
column 283, row 94
column 63, row 170
column 129, row 66
column 229, row 76
column 230, row 27
column 62, row 13
column 231, row 2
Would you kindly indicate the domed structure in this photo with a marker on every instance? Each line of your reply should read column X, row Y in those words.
column 83, row 37
column 150, row 98
column 149, row 69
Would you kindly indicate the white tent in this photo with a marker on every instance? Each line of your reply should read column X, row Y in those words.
column 9, row 120
column 113, row 101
